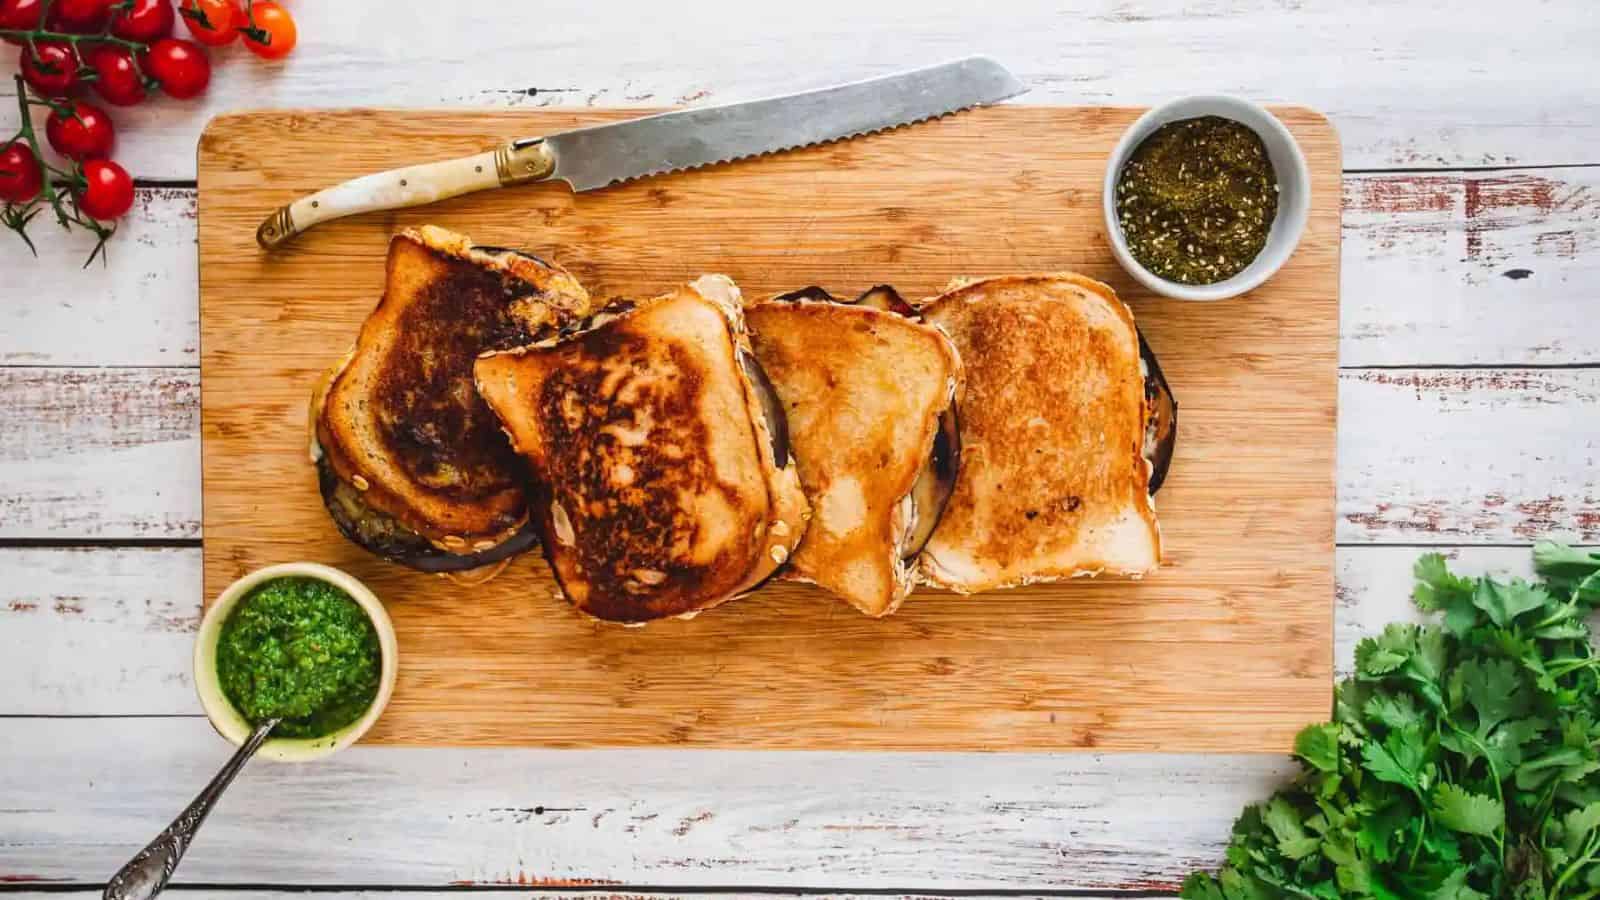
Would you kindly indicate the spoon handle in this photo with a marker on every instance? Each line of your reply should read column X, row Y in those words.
column 147, row 873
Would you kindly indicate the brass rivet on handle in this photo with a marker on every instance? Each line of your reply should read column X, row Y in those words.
column 276, row 229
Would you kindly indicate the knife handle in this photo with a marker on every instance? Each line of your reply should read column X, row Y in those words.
column 513, row 163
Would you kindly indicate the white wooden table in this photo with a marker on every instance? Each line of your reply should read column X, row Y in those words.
column 1469, row 420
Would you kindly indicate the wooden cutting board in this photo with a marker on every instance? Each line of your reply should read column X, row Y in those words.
column 1228, row 648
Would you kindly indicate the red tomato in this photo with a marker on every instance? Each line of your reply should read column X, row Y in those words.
column 53, row 72
column 80, row 16
column 273, row 23
column 86, row 134
column 212, row 22
column 146, row 21
column 20, row 15
column 20, row 175
column 109, row 192
column 180, row 66
column 116, row 78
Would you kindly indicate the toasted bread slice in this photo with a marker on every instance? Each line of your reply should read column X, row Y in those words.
column 669, row 485
column 1054, row 479
column 414, row 464
column 864, row 391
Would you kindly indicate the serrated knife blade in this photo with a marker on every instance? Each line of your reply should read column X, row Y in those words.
column 590, row 158
column 594, row 157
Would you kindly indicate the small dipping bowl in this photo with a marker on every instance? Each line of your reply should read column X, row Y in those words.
column 220, row 710
column 1294, row 194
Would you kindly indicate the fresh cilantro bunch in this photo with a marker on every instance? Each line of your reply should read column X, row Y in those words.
column 1462, row 762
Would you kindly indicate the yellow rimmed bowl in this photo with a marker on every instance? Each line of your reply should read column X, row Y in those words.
column 228, row 721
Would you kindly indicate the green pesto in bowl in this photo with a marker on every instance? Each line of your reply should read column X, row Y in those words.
column 300, row 650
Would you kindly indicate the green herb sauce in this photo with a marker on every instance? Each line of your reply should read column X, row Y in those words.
column 301, row 650
column 1197, row 199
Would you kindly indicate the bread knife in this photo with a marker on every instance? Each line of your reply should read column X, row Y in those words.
column 592, row 158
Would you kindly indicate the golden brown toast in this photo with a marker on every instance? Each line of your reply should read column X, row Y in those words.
column 666, row 480
column 1054, row 479
column 412, row 459
column 864, row 391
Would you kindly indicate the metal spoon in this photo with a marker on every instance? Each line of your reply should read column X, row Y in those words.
column 148, row 872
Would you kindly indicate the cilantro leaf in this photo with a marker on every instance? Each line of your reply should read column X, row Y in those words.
column 1398, row 760
column 1382, row 655
column 1457, row 809
column 1437, row 589
column 1492, row 688
column 1504, row 602
column 1318, row 745
column 1454, row 887
column 1394, row 710
column 1564, row 568
column 1200, row 886
column 1577, row 825
column 1588, row 591
column 1284, row 821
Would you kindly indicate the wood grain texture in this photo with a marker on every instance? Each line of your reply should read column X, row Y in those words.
column 124, row 618
column 1491, row 268
column 1409, row 292
column 1385, row 422
column 992, row 673
column 1478, row 455
column 495, row 816
column 137, row 308
column 578, row 891
column 128, row 616
column 99, row 453
column 433, row 817
column 1407, row 85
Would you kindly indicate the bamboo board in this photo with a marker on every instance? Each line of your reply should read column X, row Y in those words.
column 1228, row 648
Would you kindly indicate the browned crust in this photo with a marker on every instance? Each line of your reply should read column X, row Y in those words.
column 858, row 416
column 399, row 415
column 1037, row 492
column 642, row 434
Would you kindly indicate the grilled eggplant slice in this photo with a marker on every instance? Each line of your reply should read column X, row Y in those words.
column 385, row 537
column 888, row 299
column 931, row 493
column 1161, row 422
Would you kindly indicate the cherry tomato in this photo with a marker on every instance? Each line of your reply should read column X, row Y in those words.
column 20, row 15
column 109, row 192
column 212, row 22
column 53, row 72
column 80, row 16
column 86, row 134
column 20, row 175
column 180, row 66
column 276, row 25
column 146, row 21
column 116, row 78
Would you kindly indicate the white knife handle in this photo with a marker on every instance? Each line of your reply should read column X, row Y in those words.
column 513, row 163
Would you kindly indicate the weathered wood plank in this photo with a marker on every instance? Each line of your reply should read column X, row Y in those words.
column 1450, row 268
column 1423, row 90
column 75, row 810
column 127, row 617
column 99, row 453
column 1429, row 456
column 592, row 892
column 98, row 631
column 1475, row 455
column 1471, row 269
column 137, row 308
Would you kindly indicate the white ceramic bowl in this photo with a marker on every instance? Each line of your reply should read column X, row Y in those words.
column 233, row 726
column 1294, row 194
